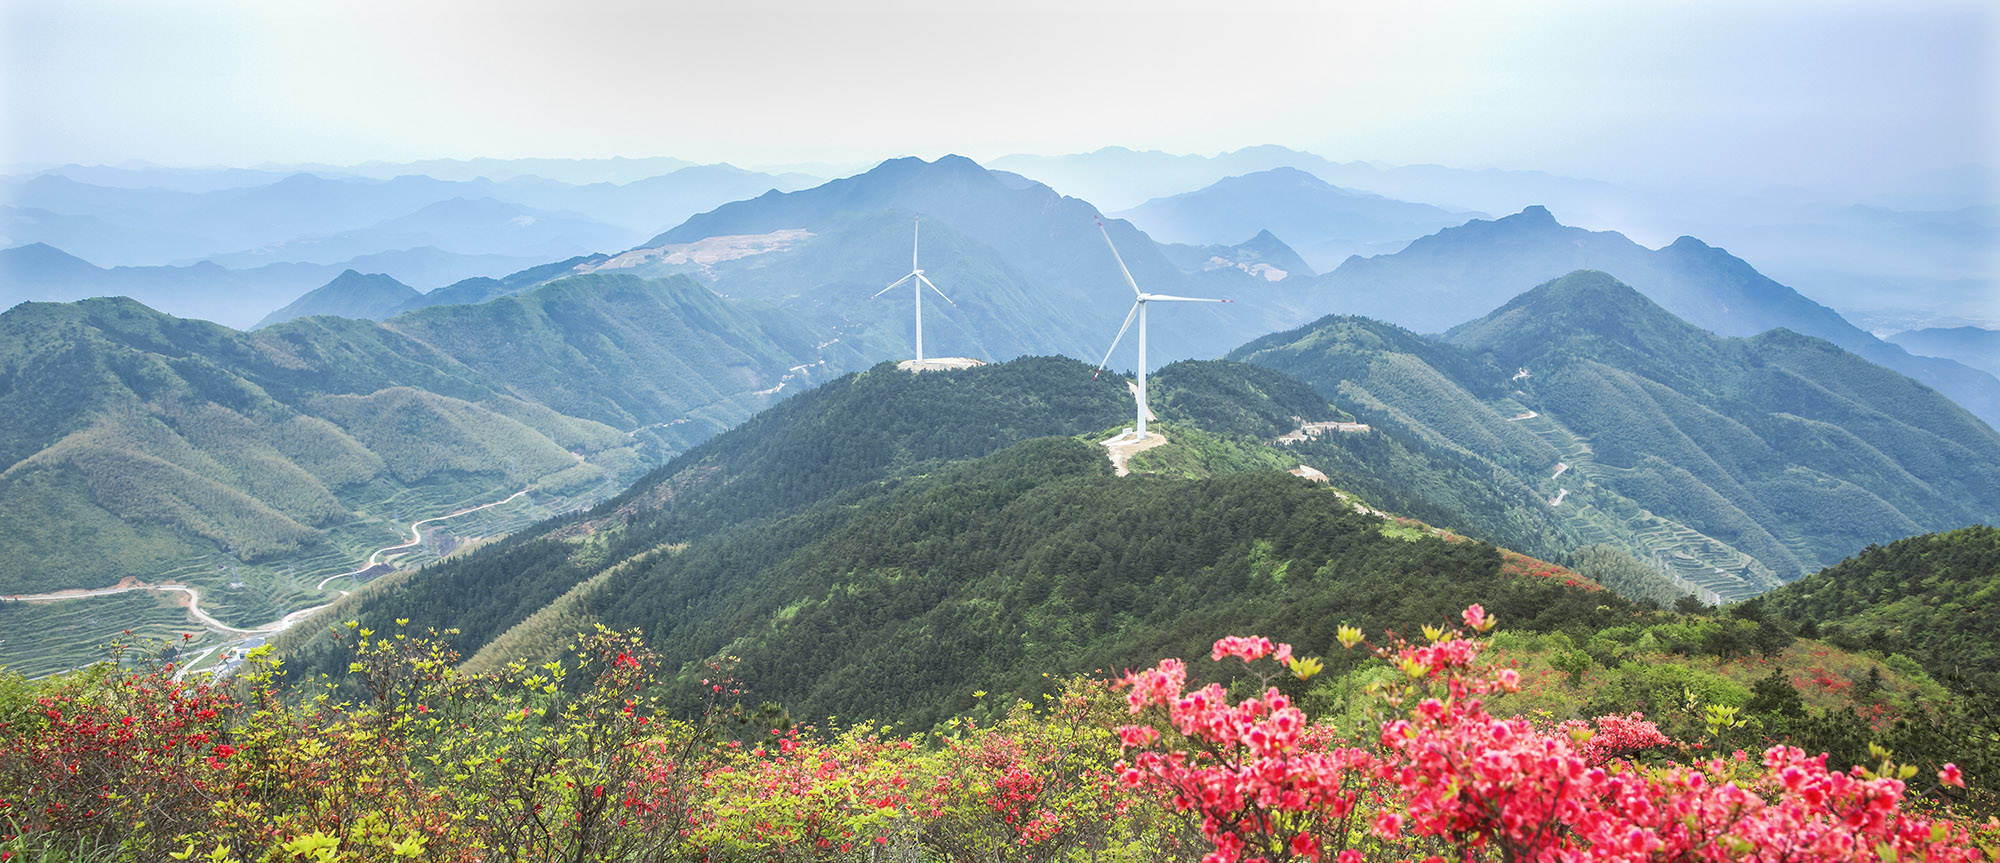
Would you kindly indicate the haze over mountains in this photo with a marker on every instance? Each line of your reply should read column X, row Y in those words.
column 1695, row 419
column 1977, row 347
column 280, row 234
column 1429, row 285
column 1921, row 259
column 1895, row 262
column 1324, row 223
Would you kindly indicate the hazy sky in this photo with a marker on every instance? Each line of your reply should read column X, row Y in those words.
column 1827, row 93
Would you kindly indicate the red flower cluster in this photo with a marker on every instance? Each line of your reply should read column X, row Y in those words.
column 1266, row 787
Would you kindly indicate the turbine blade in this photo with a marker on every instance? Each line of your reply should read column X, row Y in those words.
column 1114, row 341
column 916, row 230
column 892, row 285
column 1173, row 299
column 1115, row 256
column 920, row 277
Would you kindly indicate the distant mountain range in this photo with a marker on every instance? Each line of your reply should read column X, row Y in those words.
column 475, row 226
column 1923, row 259
column 1121, row 178
column 141, row 226
column 237, row 298
column 1324, row 223
column 1977, row 347
column 1034, row 278
column 576, row 172
column 279, row 235
column 1440, row 279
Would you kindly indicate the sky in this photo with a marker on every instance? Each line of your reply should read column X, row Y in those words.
column 1821, row 94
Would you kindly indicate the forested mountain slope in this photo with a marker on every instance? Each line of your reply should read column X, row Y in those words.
column 851, row 438
column 1764, row 458
column 1034, row 560
column 1926, row 597
column 857, row 525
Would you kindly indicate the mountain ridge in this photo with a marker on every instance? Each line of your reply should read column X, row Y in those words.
column 1484, row 263
column 1782, row 447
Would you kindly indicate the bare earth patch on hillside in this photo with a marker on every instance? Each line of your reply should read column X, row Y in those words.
column 1127, row 444
column 706, row 252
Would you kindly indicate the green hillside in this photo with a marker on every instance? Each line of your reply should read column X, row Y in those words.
column 255, row 465
column 848, row 440
column 889, row 515
column 1037, row 559
column 930, row 535
column 629, row 352
column 1922, row 597
column 1731, row 465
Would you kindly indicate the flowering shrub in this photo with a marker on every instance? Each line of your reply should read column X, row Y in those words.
column 571, row 760
column 1445, row 776
column 1038, row 785
column 822, row 798
column 117, row 759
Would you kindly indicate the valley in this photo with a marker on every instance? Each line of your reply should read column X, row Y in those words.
column 556, row 387
column 257, row 599
column 546, row 435
column 666, row 433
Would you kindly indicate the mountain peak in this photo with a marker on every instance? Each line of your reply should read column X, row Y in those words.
column 351, row 276
column 957, row 162
column 352, row 294
column 1593, row 290
column 951, row 187
column 42, row 253
column 1536, row 215
column 1585, row 306
column 905, row 166
column 39, row 263
column 1297, row 175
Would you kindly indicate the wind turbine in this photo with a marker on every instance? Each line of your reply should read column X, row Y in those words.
column 1138, row 311
column 916, row 273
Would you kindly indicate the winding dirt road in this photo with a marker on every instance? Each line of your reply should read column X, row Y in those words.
column 276, row 626
column 416, row 538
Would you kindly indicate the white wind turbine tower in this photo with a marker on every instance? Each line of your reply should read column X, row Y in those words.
column 1138, row 311
column 916, row 273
